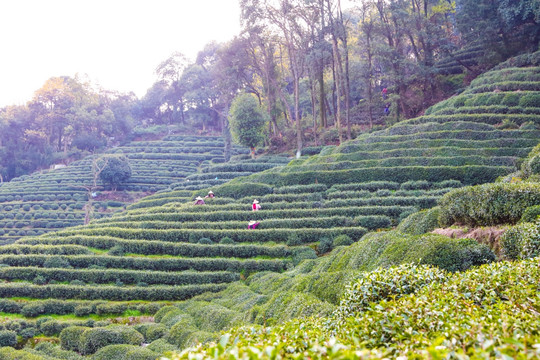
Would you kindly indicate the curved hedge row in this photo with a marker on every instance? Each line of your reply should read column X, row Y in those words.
column 44, row 249
column 415, row 151
column 104, row 276
column 147, row 263
column 469, row 174
column 304, row 235
column 155, row 247
column 322, row 222
column 151, row 293
column 488, row 204
column 391, row 211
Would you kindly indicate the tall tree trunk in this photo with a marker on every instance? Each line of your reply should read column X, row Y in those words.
column 347, row 92
column 226, row 131
column 337, row 79
column 313, row 90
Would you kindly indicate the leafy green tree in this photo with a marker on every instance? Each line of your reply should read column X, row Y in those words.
column 116, row 171
column 247, row 121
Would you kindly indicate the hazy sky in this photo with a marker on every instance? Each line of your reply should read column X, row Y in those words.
column 117, row 43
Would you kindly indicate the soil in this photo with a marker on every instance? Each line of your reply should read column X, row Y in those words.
column 489, row 236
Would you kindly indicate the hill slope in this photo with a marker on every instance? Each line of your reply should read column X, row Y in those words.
column 307, row 207
column 39, row 203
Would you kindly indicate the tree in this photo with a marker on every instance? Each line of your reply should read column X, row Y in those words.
column 116, row 171
column 170, row 72
column 247, row 121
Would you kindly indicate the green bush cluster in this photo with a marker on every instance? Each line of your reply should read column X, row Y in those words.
column 530, row 214
column 163, row 264
column 124, row 352
column 421, row 222
column 394, row 248
column 44, row 249
column 152, row 293
column 244, row 235
column 239, row 190
column 104, row 276
column 488, row 204
column 468, row 174
column 385, row 284
column 155, row 247
column 521, row 242
column 468, row 315
column 91, row 340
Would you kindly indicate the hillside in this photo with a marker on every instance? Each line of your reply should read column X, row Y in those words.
column 42, row 202
column 238, row 276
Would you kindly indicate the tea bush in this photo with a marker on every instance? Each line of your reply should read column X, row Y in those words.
column 91, row 340
column 521, row 242
column 385, row 284
column 421, row 222
column 8, row 338
column 488, row 204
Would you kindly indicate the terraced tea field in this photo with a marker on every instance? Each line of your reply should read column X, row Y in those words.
column 166, row 249
column 36, row 204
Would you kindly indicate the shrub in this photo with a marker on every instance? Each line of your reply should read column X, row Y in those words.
column 9, row 306
column 152, row 331
column 325, row 245
column 52, row 351
column 394, row 248
column 488, row 204
column 374, row 222
column 8, row 338
column 303, row 253
column 39, row 280
column 83, row 310
column 508, row 124
column 510, row 99
column 421, row 222
column 94, row 339
column 124, row 352
column 226, row 241
column 534, row 165
column 205, row 241
column 383, row 284
column 343, row 240
column 530, row 100
column 529, row 125
column 240, row 190
column 181, row 330
column 116, row 251
column 521, row 242
column 51, row 328
column 28, row 333
column 33, row 309
column 530, row 214
column 162, row 312
column 57, row 262
column 293, row 240
column 161, row 346
column 416, row 185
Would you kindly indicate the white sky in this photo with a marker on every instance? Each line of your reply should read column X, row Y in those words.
column 117, row 43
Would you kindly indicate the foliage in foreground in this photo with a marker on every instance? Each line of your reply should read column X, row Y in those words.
column 489, row 312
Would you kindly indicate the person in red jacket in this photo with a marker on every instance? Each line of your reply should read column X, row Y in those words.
column 256, row 206
column 210, row 194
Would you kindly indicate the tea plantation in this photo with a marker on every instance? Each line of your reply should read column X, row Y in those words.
column 323, row 275
column 36, row 204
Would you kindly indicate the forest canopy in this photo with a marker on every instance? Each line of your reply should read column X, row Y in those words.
column 320, row 72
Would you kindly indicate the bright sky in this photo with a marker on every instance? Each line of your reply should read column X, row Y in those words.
column 117, row 43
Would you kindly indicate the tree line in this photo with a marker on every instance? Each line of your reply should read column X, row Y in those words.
column 319, row 73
